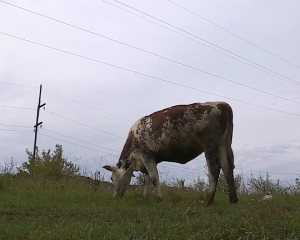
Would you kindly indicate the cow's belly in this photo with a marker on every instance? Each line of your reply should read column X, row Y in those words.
column 178, row 153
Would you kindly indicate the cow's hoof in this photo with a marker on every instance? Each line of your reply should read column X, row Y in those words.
column 159, row 199
column 207, row 204
column 233, row 201
column 209, row 200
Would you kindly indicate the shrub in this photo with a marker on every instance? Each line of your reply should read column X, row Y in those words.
column 49, row 166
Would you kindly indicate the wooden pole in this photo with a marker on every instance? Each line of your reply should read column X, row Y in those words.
column 37, row 123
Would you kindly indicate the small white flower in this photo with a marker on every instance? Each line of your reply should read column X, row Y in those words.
column 269, row 196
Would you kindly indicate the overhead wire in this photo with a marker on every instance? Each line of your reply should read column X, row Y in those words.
column 262, row 157
column 96, row 145
column 169, row 166
column 83, row 124
column 14, row 126
column 112, row 39
column 146, row 75
column 192, row 39
column 255, row 89
column 24, row 108
column 16, row 84
column 17, row 126
column 157, row 55
column 223, row 49
column 232, row 33
column 88, row 106
column 181, row 170
column 267, row 172
column 75, row 144
column 12, row 130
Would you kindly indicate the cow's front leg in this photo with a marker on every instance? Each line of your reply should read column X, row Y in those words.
column 153, row 174
column 146, row 184
column 155, row 181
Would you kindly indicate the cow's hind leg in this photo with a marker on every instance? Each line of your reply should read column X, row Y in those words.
column 213, row 175
column 226, row 161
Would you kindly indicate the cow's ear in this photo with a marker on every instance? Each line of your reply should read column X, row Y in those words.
column 111, row 168
column 108, row 167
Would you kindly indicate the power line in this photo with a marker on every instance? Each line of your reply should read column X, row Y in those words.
column 80, row 140
column 169, row 166
column 182, row 170
column 252, row 156
column 250, row 170
column 149, row 76
column 83, row 104
column 192, row 39
column 157, row 55
column 11, row 130
column 223, row 49
column 24, row 108
column 77, row 144
column 236, row 168
column 245, row 40
column 261, row 69
column 85, row 125
column 9, row 125
column 16, row 84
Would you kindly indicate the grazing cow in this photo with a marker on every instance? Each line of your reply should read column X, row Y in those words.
column 178, row 134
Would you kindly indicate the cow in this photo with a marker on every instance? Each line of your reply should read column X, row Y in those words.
column 178, row 134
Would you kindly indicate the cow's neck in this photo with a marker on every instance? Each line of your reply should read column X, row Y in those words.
column 124, row 163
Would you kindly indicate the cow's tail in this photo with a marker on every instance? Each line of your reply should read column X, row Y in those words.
column 230, row 155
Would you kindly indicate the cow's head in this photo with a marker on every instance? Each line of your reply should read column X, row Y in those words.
column 120, row 178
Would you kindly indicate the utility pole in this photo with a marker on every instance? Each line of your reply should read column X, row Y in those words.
column 37, row 123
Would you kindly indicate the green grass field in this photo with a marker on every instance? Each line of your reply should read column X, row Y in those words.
column 75, row 209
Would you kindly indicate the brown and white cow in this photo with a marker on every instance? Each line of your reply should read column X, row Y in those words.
column 178, row 134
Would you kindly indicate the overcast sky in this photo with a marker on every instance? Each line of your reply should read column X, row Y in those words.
column 104, row 64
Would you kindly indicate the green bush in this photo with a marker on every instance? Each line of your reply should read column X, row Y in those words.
column 48, row 166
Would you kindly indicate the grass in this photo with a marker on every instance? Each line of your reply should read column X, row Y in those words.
column 74, row 209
